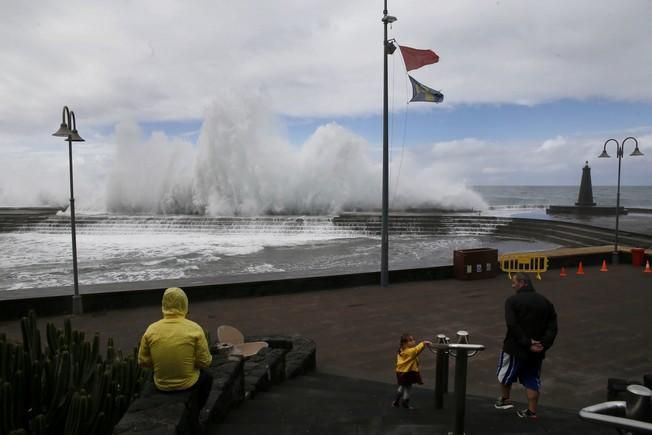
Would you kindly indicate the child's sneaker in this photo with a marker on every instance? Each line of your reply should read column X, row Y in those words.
column 406, row 404
column 503, row 404
column 526, row 413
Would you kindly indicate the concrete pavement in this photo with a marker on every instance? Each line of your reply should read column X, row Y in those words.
column 604, row 325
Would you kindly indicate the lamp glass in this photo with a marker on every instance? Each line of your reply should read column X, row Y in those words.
column 63, row 131
column 636, row 152
column 75, row 137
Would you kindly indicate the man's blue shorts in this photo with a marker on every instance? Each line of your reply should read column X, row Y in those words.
column 511, row 368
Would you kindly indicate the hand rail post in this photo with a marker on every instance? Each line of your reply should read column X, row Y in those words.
column 440, row 362
column 632, row 415
column 461, row 355
column 460, row 390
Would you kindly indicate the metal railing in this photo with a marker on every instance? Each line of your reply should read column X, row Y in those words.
column 633, row 415
column 461, row 352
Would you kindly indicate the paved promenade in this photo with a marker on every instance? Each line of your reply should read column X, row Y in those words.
column 604, row 327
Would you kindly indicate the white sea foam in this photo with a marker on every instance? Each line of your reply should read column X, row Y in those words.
column 241, row 165
column 245, row 167
column 262, row 268
column 157, row 261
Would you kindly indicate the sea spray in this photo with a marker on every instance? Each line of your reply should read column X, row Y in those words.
column 245, row 167
column 152, row 175
column 241, row 165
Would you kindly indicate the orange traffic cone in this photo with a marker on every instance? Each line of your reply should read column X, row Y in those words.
column 580, row 269
column 604, row 266
column 562, row 272
column 647, row 267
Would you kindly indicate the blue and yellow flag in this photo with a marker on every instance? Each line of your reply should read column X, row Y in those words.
column 424, row 93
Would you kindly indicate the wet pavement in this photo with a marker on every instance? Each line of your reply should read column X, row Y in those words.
column 604, row 325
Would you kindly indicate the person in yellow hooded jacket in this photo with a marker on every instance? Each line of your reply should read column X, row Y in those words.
column 407, row 368
column 177, row 350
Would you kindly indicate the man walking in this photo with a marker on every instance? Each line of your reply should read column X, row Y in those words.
column 531, row 330
column 178, row 351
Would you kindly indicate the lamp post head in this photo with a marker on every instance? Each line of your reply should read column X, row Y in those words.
column 604, row 154
column 65, row 127
column 636, row 152
column 75, row 137
column 68, row 129
column 389, row 19
column 63, row 131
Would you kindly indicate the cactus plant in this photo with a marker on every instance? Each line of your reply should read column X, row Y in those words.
column 65, row 387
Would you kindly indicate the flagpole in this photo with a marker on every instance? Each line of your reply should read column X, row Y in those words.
column 384, row 247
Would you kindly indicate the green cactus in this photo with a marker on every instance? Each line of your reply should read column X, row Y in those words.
column 100, row 389
column 65, row 387
column 39, row 425
column 9, row 361
column 25, row 328
column 72, row 419
column 36, row 391
column 6, row 408
column 99, row 425
column 62, row 377
column 51, row 338
column 18, row 388
column 3, row 357
column 121, row 404
column 109, row 406
column 95, row 351
column 67, row 329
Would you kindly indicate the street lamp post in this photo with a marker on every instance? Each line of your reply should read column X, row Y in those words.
column 68, row 129
column 619, row 153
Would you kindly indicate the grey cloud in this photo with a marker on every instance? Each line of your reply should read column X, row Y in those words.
column 140, row 58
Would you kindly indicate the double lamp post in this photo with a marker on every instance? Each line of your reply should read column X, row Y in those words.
column 68, row 129
column 619, row 153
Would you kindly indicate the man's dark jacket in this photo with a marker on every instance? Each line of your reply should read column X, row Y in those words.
column 529, row 315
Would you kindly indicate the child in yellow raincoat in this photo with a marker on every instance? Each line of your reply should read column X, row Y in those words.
column 407, row 369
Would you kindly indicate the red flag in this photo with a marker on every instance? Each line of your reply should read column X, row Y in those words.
column 415, row 58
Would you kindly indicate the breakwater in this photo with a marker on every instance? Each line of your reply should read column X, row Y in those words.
column 562, row 233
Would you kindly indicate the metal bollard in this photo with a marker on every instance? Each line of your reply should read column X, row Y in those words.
column 460, row 390
column 632, row 416
column 446, row 355
column 441, row 372
column 462, row 351
column 637, row 403
column 463, row 337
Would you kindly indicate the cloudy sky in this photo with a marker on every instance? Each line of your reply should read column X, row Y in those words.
column 532, row 89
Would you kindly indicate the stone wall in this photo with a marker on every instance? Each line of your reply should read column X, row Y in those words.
column 234, row 380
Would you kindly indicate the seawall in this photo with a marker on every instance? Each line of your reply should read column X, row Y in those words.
column 104, row 297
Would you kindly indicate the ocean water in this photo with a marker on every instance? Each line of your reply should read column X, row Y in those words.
column 122, row 248
column 501, row 197
column 531, row 202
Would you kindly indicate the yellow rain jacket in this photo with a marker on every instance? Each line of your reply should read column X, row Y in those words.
column 406, row 359
column 174, row 346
